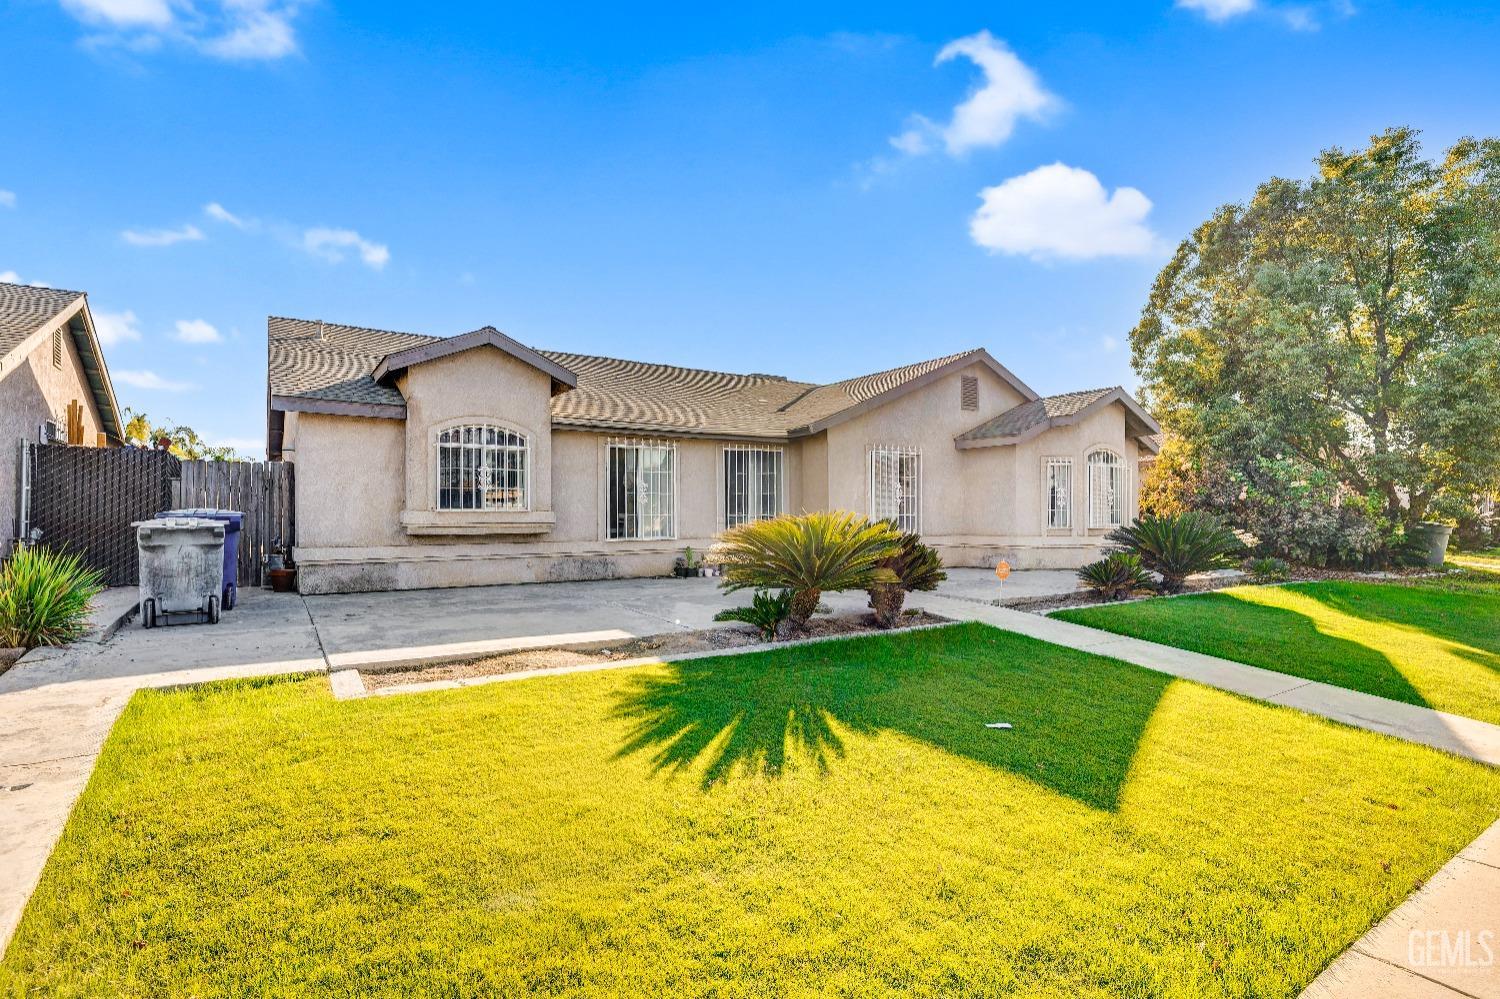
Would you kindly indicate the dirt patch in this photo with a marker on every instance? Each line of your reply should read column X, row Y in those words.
column 733, row 636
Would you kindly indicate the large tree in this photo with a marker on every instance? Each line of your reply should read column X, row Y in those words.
column 1348, row 325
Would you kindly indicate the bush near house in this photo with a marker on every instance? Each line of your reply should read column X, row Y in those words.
column 1116, row 576
column 918, row 568
column 44, row 598
column 1178, row 545
column 807, row 554
column 766, row 612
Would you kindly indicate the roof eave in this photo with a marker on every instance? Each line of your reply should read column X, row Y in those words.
column 337, row 407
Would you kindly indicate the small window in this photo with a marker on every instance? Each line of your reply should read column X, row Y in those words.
column 1106, row 489
column 482, row 467
column 57, row 347
column 1059, row 493
column 969, row 392
column 896, row 486
column 641, row 480
column 753, row 480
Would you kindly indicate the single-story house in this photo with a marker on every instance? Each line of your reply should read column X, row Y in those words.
column 54, row 387
column 428, row 461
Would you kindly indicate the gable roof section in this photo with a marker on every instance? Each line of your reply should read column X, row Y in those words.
column 1023, row 422
column 26, row 312
column 393, row 364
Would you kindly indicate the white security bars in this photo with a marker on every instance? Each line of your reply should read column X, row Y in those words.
column 482, row 467
column 641, row 487
column 1059, row 492
column 754, row 480
column 896, row 486
column 1106, row 489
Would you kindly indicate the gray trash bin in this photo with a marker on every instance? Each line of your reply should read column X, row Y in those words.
column 181, row 568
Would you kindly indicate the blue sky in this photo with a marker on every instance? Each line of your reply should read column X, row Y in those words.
column 810, row 192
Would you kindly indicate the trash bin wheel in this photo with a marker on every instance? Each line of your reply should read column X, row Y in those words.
column 213, row 609
column 148, row 613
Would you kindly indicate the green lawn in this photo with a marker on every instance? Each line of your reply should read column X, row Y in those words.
column 829, row 819
column 1436, row 645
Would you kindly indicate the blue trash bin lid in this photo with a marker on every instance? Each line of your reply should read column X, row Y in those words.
column 234, row 518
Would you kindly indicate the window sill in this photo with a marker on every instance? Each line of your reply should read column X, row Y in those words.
column 477, row 522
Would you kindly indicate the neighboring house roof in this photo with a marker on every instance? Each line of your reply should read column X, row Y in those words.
column 1023, row 422
column 331, row 368
column 26, row 311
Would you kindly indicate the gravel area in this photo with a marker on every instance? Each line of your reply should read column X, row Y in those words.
column 732, row 636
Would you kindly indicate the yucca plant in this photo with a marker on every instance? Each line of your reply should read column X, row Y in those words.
column 1116, row 576
column 807, row 554
column 917, row 568
column 44, row 598
column 1179, row 545
column 766, row 612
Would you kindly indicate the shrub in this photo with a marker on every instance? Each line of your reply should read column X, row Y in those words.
column 44, row 598
column 1178, row 546
column 1270, row 570
column 807, row 554
column 766, row 612
column 917, row 568
column 1116, row 576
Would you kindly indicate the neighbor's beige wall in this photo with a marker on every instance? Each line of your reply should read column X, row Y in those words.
column 32, row 391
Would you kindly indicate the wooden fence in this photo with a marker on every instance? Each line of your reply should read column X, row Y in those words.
column 260, row 490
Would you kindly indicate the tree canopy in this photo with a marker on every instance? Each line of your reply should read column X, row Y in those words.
column 1345, row 327
column 182, row 441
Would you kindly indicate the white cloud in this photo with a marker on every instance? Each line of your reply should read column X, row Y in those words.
column 7, row 198
column 1218, row 10
column 150, row 381
column 237, row 30
column 162, row 237
column 331, row 244
column 116, row 327
column 1059, row 211
column 11, row 277
column 1011, row 91
column 196, row 331
column 219, row 213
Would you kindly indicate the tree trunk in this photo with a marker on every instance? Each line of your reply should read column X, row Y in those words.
column 886, row 600
column 804, row 602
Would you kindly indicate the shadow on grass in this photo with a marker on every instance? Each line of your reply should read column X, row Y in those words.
column 1470, row 622
column 1078, row 719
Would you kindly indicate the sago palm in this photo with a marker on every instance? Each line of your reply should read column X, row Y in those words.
column 807, row 554
column 1179, row 545
column 917, row 568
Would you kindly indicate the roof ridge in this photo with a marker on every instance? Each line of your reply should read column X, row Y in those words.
column 362, row 329
column 901, row 367
column 42, row 287
column 757, row 375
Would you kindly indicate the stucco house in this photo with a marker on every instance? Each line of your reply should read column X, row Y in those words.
column 54, row 386
column 428, row 461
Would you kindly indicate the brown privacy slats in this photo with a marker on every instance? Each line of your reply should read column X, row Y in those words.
column 84, row 500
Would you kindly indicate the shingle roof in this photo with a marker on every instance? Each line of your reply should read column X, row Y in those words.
column 330, row 362
column 23, row 309
column 1018, row 420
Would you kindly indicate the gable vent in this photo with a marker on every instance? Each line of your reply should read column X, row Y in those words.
column 57, row 347
column 969, row 392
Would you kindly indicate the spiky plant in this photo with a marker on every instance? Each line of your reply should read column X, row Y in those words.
column 766, row 612
column 1178, row 545
column 44, row 598
column 807, row 554
column 917, row 568
column 1116, row 576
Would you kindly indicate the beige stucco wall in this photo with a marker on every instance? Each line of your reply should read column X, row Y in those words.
column 33, row 390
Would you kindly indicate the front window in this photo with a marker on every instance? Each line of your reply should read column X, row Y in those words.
column 482, row 467
column 896, row 486
column 642, row 489
column 1059, row 493
column 1106, row 489
column 752, row 484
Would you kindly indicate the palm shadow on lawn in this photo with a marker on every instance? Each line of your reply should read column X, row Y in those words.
column 1078, row 718
column 1469, row 622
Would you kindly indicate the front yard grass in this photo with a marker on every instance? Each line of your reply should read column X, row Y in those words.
column 826, row 819
column 1435, row 644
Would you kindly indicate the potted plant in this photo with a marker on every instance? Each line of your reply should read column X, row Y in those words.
column 283, row 577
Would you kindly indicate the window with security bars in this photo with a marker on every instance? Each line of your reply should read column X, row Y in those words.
column 1059, row 493
column 896, row 486
column 1106, row 489
column 641, row 486
column 752, row 484
column 482, row 467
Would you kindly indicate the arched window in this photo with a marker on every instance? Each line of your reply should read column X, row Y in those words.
column 1106, row 489
column 482, row 467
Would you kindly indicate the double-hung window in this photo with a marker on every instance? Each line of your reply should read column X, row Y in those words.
column 753, row 483
column 1106, row 489
column 896, row 486
column 482, row 467
column 641, row 490
column 1059, row 493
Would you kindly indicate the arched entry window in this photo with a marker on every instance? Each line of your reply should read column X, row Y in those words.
column 482, row 467
column 1106, row 489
